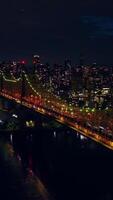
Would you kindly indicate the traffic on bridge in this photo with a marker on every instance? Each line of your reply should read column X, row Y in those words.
column 27, row 90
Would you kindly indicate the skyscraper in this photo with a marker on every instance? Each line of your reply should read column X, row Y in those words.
column 36, row 62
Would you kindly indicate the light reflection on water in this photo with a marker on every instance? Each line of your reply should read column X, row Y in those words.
column 54, row 134
column 65, row 161
column 82, row 137
column 11, row 138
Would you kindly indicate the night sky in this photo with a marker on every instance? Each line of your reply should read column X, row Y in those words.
column 57, row 29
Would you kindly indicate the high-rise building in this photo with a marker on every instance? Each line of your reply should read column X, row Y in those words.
column 36, row 59
column 36, row 62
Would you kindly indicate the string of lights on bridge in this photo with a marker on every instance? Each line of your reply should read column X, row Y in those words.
column 16, row 80
column 28, row 81
column 7, row 79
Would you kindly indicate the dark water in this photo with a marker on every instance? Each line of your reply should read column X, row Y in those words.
column 69, row 165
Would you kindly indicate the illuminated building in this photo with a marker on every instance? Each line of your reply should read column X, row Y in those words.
column 36, row 62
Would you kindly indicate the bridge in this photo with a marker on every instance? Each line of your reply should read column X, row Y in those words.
column 27, row 90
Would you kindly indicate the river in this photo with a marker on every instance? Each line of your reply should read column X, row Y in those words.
column 69, row 165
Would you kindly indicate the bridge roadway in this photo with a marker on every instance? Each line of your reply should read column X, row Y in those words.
column 65, row 120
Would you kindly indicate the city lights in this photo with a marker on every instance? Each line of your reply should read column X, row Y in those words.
column 88, row 101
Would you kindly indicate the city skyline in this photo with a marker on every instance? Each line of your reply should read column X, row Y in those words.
column 56, row 99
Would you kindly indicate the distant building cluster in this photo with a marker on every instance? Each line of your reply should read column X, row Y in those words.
column 82, row 85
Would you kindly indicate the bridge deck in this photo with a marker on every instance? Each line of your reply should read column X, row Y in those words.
column 62, row 119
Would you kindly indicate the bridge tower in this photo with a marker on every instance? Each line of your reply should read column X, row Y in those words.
column 22, row 86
